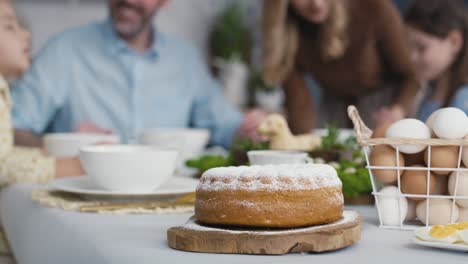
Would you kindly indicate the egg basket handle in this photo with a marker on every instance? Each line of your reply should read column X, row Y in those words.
column 363, row 133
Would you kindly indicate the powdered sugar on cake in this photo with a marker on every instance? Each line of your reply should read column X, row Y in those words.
column 270, row 178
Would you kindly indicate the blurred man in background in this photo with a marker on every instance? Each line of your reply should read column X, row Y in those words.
column 123, row 76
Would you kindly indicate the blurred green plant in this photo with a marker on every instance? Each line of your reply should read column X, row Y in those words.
column 207, row 162
column 246, row 144
column 256, row 82
column 331, row 142
column 351, row 170
column 354, row 176
column 231, row 35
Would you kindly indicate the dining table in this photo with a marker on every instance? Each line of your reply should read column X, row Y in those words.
column 38, row 234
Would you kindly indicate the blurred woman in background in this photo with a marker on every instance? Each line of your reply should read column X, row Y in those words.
column 354, row 50
column 438, row 34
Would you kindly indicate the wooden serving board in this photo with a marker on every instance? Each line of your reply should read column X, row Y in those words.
column 197, row 238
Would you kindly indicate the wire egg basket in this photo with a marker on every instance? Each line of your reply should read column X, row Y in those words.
column 365, row 140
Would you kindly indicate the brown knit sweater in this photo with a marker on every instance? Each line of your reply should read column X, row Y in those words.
column 377, row 53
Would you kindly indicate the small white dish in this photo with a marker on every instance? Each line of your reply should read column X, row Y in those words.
column 63, row 145
column 85, row 186
column 448, row 246
column 270, row 157
column 128, row 169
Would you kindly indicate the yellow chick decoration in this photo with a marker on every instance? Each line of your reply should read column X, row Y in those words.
column 277, row 130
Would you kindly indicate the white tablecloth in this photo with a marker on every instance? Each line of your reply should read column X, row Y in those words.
column 43, row 235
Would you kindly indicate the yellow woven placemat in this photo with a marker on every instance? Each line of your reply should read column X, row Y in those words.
column 72, row 202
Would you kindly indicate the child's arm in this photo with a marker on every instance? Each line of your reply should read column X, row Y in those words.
column 6, row 136
column 396, row 54
column 26, row 165
column 27, row 138
column 68, row 167
column 29, row 165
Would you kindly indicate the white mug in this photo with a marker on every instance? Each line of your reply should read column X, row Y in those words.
column 269, row 157
column 64, row 145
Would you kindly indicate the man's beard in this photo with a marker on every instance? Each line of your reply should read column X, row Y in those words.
column 134, row 29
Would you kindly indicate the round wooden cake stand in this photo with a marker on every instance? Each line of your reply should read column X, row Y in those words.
column 198, row 238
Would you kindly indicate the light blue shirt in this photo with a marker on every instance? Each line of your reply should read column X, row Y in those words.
column 459, row 100
column 88, row 74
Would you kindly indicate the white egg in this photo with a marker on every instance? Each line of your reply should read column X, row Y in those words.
column 463, row 215
column 465, row 153
column 439, row 212
column 430, row 121
column 409, row 128
column 462, row 187
column 463, row 236
column 411, row 214
column 389, row 204
column 450, row 123
column 423, row 233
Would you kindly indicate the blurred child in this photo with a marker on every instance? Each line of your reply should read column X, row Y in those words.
column 438, row 34
column 21, row 164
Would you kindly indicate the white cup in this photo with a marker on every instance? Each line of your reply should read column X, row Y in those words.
column 126, row 168
column 190, row 142
column 63, row 145
column 269, row 157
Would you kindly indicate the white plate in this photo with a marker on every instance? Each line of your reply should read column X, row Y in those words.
column 455, row 247
column 177, row 185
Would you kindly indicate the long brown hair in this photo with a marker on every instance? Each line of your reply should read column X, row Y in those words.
column 439, row 18
column 281, row 37
column 333, row 34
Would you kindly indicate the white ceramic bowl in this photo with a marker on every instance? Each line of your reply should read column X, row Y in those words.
column 126, row 168
column 268, row 157
column 189, row 142
column 62, row 145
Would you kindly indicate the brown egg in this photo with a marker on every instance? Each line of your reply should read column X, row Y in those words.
column 383, row 155
column 415, row 182
column 414, row 159
column 380, row 131
column 443, row 157
column 441, row 185
column 462, row 187
column 440, row 212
